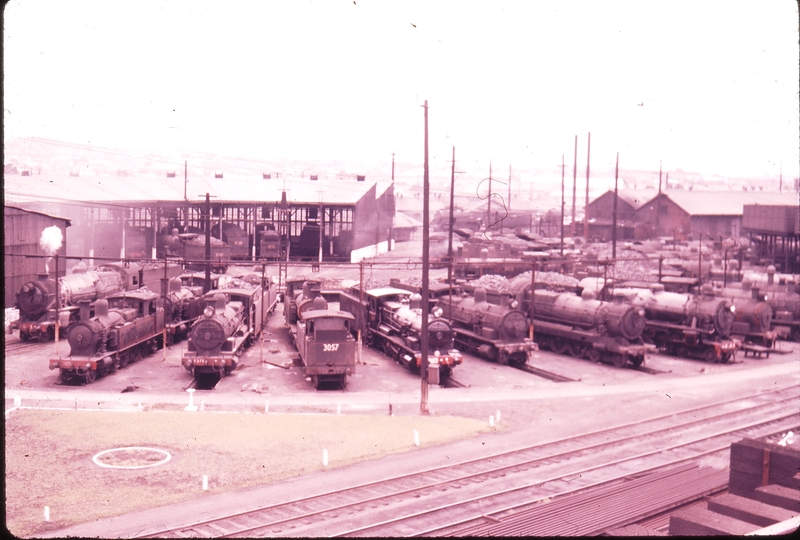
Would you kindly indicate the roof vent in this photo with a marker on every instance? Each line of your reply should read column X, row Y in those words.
column 314, row 176
column 217, row 175
column 170, row 174
column 267, row 176
column 361, row 177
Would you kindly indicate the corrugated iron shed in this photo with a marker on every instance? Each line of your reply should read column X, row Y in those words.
column 726, row 203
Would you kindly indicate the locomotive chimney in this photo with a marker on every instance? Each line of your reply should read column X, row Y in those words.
column 175, row 285
column 101, row 308
column 319, row 303
column 480, row 295
column 746, row 284
column 415, row 301
column 84, row 307
column 219, row 302
column 755, row 292
column 484, row 254
column 43, row 277
column 770, row 274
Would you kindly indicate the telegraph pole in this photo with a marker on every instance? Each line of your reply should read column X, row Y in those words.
column 423, row 370
column 508, row 203
column 207, row 284
column 392, row 166
column 574, row 187
column 451, row 223
column 586, row 207
column 658, row 201
column 563, row 203
column 489, row 198
column 614, row 221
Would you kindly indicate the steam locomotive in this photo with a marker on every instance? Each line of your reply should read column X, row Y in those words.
column 232, row 320
column 753, row 316
column 125, row 327
column 492, row 326
column 686, row 325
column 36, row 300
column 191, row 247
column 323, row 337
column 782, row 293
column 581, row 326
column 390, row 320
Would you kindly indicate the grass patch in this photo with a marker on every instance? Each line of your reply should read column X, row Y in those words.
column 49, row 456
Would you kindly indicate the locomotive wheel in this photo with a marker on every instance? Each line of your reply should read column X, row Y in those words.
column 558, row 346
column 710, row 356
column 64, row 376
column 592, row 354
column 795, row 333
column 124, row 359
column 90, row 377
column 575, row 349
column 725, row 357
column 637, row 361
column 48, row 335
column 619, row 360
column 24, row 336
column 544, row 344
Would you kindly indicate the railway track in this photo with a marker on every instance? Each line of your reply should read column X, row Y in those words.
column 441, row 500
column 539, row 372
column 22, row 346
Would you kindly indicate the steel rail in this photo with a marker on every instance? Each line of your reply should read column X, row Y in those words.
column 572, row 474
column 465, row 463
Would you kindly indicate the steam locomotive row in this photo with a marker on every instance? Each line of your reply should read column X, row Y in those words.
column 36, row 300
column 232, row 320
column 323, row 335
column 390, row 320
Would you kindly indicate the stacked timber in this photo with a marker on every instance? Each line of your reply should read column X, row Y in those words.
column 763, row 490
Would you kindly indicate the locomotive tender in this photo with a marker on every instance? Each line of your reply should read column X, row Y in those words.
column 390, row 320
column 232, row 320
column 324, row 339
column 124, row 328
column 496, row 330
column 36, row 300
column 686, row 325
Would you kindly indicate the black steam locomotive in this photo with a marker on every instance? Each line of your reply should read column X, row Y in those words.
column 232, row 320
column 390, row 320
column 125, row 327
column 36, row 300
column 686, row 325
column 492, row 325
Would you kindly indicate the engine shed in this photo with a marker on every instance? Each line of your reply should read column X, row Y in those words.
column 22, row 232
column 341, row 218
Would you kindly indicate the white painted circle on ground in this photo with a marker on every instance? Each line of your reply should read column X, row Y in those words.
column 129, row 449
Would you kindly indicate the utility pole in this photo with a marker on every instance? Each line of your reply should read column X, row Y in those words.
column 614, row 220
column 658, row 201
column 574, row 187
column 586, row 207
column 563, row 204
column 450, row 223
column 508, row 203
column 392, row 166
column 489, row 198
column 207, row 284
column 423, row 370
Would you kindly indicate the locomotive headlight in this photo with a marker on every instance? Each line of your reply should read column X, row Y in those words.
column 640, row 312
column 437, row 312
column 733, row 308
column 435, row 353
column 514, row 304
column 766, row 297
column 209, row 311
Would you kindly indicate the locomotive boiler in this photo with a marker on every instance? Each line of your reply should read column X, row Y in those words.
column 494, row 330
column 36, row 300
column 390, row 320
column 123, row 329
column 686, row 325
column 231, row 321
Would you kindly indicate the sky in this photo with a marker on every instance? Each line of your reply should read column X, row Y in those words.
column 707, row 86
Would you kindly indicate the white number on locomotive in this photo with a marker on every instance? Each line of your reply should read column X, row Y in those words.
column 330, row 347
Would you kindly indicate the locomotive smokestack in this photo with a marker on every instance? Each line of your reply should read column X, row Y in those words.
column 770, row 274
column 84, row 307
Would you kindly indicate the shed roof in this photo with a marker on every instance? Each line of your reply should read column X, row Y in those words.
column 726, row 203
column 38, row 213
column 147, row 189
